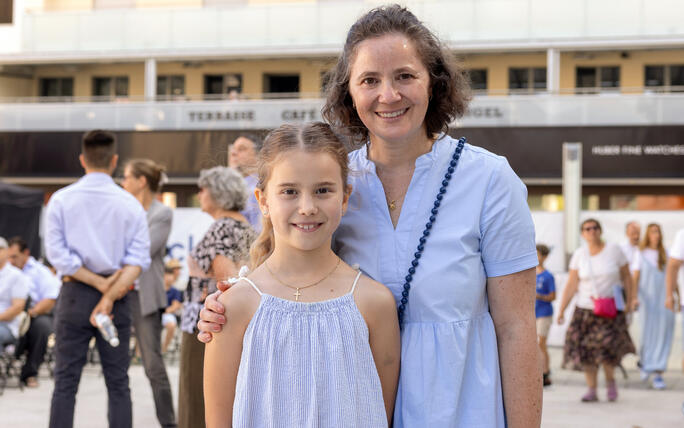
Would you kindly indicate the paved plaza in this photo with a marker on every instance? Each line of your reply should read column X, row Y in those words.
column 638, row 405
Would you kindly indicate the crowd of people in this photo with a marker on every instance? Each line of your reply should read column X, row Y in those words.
column 611, row 283
column 331, row 289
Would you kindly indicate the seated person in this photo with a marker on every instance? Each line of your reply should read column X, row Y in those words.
column 43, row 291
column 14, row 288
column 169, row 321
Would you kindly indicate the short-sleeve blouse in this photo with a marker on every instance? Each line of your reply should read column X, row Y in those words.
column 226, row 237
column 450, row 373
column 598, row 273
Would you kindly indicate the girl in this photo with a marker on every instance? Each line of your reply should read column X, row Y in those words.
column 657, row 323
column 308, row 340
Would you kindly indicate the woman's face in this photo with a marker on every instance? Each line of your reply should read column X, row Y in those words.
column 653, row 236
column 305, row 205
column 390, row 87
column 132, row 184
column 591, row 232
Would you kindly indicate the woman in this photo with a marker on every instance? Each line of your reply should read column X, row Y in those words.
column 657, row 322
column 593, row 339
column 143, row 178
column 465, row 280
column 220, row 253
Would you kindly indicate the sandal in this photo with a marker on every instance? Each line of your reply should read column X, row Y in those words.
column 612, row 392
column 590, row 396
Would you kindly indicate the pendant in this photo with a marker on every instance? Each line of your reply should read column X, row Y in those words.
column 392, row 205
column 297, row 294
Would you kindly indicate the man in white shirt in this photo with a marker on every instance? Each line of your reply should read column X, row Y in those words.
column 43, row 291
column 14, row 288
column 631, row 246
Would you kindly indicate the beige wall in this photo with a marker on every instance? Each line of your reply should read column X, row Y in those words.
column 15, row 87
column 309, row 70
column 57, row 5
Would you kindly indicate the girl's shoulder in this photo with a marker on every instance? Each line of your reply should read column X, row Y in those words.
column 372, row 296
column 240, row 301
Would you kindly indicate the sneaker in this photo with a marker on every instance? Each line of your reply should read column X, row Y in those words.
column 644, row 375
column 658, row 382
column 590, row 396
column 612, row 393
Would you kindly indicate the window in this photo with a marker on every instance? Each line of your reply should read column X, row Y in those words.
column 6, row 11
column 56, row 87
column 169, row 87
column 222, row 85
column 590, row 80
column 527, row 80
column 285, row 84
column 668, row 78
column 110, row 87
column 478, row 79
column 647, row 202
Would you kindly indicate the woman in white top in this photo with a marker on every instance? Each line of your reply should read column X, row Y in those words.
column 657, row 323
column 593, row 340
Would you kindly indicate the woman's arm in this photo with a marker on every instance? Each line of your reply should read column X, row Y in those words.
column 222, row 356
column 223, row 268
column 632, row 291
column 571, row 286
column 671, row 289
column 511, row 303
column 378, row 308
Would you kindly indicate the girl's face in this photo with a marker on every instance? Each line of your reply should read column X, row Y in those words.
column 131, row 183
column 653, row 236
column 390, row 87
column 304, row 199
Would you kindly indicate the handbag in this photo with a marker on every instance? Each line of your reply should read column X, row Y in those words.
column 603, row 306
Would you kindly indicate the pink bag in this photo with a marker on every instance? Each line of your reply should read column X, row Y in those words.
column 605, row 307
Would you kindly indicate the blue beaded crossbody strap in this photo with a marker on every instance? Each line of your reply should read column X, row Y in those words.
column 423, row 239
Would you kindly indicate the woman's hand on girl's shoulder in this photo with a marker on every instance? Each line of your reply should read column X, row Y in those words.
column 240, row 302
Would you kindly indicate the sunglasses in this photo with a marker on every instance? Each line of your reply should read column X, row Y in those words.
column 590, row 228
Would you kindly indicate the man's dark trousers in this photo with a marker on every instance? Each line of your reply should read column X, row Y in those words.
column 73, row 333
column 35, row 344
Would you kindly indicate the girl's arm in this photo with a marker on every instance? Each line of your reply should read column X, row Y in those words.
column 222, row 356
column 378, row 308
column 571, row 286
column 511, row 303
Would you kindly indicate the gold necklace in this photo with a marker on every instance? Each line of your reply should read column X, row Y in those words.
column 297, row 293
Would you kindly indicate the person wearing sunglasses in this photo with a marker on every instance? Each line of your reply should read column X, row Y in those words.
column 597, row 334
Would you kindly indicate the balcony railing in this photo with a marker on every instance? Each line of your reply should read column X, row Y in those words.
column 484, row 111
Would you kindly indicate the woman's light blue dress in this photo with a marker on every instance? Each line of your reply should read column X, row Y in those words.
column 657, row 322
column 450, row 368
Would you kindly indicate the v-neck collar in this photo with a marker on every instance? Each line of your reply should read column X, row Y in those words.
column 422, row 161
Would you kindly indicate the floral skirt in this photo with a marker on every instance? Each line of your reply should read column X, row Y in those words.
column 592, row 340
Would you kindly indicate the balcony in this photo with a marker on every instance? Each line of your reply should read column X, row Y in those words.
column 319, row 28
column 133, row 114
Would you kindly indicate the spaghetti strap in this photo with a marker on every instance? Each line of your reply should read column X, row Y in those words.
column 244, row 270
column 253, row 285
column 358, row 275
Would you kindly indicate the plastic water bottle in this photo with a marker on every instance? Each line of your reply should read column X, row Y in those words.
column 107, row 329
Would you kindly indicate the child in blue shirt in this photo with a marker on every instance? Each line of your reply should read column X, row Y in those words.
column 546, row 293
